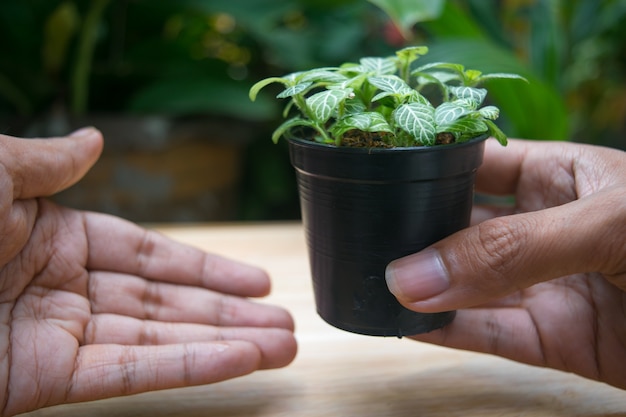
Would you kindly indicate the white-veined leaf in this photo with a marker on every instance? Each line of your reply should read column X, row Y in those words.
column 477, row 95
column 323, row 76
column 324, row 104
column 468, row 126
column 416, row 97
column 448, row 112
column 288, row 125
column 390, row 84
column 490, row 112
column 354, row 106
column 381, row 96
column 294, row 90
column 379, row 66
column 367, row 122
column 435, row 77
column 418, row 120
column 457, row 68
column 464, row 102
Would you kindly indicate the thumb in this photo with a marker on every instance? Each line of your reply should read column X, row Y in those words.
column 42, row 167
column 503, row 255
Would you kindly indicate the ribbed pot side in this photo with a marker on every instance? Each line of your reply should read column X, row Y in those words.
column 362, row 208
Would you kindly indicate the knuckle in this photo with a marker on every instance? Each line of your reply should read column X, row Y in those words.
column 500, row 243
column 151, row 301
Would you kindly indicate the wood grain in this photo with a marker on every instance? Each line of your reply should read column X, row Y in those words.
column 341, row 374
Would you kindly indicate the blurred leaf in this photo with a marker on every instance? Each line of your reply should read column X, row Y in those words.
column 547, row 41
column 406, row 13
column 454, row 22
column 533, row 110
column 59, row 29
column 198, row 96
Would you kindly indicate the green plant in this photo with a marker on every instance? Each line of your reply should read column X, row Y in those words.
column 379, row 102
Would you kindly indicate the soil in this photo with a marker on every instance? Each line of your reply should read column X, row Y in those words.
column 359, row 139
column 444, row 138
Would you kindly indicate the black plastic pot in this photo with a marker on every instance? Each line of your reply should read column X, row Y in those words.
column 363, row 208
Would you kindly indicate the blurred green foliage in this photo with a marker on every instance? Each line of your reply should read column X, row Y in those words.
column 200, row 57
column 572, row 51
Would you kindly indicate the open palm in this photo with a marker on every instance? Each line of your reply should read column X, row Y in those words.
column 92, row 306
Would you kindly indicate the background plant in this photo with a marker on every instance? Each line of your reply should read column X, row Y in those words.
column 202, row 56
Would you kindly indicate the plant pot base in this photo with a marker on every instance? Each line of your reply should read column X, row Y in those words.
column 416, row 323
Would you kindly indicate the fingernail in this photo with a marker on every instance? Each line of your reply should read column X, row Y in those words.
column 83, row 132
column 417, row 277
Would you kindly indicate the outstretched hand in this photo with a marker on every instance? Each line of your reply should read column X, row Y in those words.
column 544, row 281
column 92, row 306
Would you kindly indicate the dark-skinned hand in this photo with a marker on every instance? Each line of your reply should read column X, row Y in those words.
column 92, row 306
column 541, row 282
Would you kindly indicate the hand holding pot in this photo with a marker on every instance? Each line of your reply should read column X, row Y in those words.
column 541, row 282
column 92, row 306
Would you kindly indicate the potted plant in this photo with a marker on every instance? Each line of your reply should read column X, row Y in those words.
column 383, row 171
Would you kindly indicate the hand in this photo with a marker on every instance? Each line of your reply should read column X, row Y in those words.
column 92, row 306
column 542, row 282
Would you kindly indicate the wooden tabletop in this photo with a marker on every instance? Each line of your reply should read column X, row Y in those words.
column 346, row 375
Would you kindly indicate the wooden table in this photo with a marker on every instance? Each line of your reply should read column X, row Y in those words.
column 346, row 375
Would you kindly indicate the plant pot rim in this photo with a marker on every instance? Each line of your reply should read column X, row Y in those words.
column 374, row 150
column 373, row 164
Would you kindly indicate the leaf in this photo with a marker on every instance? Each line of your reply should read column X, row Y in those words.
column 323, row 76
column 366, row 122
column 490, row 112
column 60, row 27
column 354, row 106
column 325, row 103
column 411, row 53
column 379, row 66
column 382, row 95
column 468, row 126
column 294, row 90
column 193, row 95
column 287, row 125
column 534, row 111
column 477, row 95
column 499, row 76
column 390, row 84
column 448, row 112
column 438, row 77
column 416, row 97
column 418, row 120
column 495, row 131
column 471, row 77
column 254, row 90
column 458, row 69
column 406, row 13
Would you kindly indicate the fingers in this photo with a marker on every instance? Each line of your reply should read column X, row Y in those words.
column 502, row 255
column 135, row 297
column 277, row 347
column 120, row 246
column 41, row 167
column 104, row 371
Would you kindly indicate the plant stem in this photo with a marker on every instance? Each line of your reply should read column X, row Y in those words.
column 84, row 58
